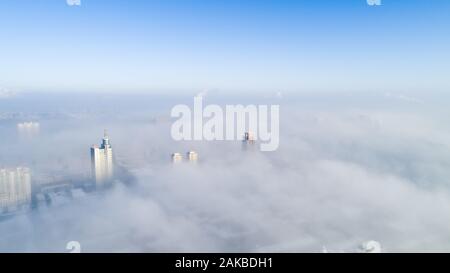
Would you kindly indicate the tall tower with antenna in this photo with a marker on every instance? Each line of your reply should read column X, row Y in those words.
column 248, row 142
column 102, row 162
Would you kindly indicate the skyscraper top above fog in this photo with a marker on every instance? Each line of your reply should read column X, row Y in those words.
column 102, row 162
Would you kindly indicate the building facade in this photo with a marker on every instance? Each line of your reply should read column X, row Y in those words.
column 102, row 162
column 248, row 142
column 177, row 158
column 15, row 188
column 192, row 156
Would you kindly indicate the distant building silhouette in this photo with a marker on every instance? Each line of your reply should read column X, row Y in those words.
column 177, row 158
column 15, row 188
column 192, row 156
column 28, row 129
column 248, row 141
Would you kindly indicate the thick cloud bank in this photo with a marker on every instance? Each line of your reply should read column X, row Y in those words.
column 340, row 177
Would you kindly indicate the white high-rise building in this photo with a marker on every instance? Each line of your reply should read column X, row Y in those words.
column 177, row 158
column 102, row 162
column 192, row 156
column 15, row 187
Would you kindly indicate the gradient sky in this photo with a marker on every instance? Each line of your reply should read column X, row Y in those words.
column 246, row 45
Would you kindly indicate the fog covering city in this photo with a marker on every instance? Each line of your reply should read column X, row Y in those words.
column 349, row 169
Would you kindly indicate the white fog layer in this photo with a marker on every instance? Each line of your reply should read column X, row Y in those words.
column 341, row 176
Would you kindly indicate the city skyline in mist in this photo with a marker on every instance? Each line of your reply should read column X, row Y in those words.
column 343, row 175
column 251, row 46
column 363, row 135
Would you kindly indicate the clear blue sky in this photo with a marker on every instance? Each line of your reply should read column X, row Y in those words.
column 247, row 45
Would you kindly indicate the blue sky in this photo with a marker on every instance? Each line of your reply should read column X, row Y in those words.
column 247, row 45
